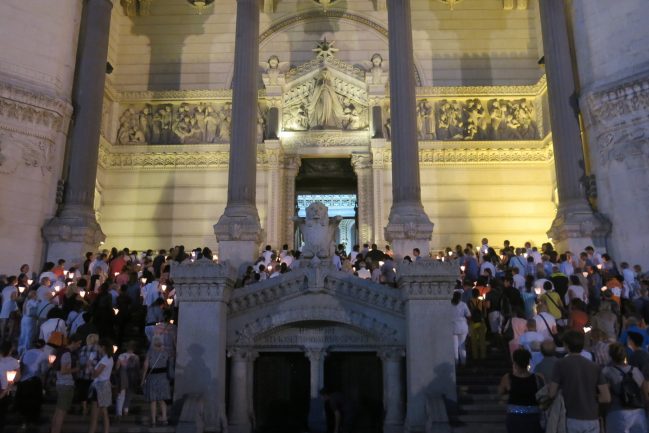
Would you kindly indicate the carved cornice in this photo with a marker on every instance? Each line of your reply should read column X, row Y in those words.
column 202, row 281
column 484, row 91
column 427, row 279
column 217, row 156
column 175, row 95
column 38, row 109
column 621, row 103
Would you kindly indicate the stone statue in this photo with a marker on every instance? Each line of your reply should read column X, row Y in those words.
column 325, row 110
column 374, row 68
column 319, row 231
column 273, row 71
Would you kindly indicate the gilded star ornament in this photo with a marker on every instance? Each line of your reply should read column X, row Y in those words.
column 325, row 49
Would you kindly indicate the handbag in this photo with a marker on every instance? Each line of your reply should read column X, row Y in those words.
column 148, row 373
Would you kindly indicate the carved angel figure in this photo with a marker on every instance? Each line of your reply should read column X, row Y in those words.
column 374, row 68
column 319, row 231
column 273, row 71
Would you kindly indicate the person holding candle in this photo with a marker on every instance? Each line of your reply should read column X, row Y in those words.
column 34, row 364
column 9, row 374
column 9, row 297
column 100, row 389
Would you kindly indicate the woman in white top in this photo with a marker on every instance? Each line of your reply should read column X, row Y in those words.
column 461, row 314
column 100, row 388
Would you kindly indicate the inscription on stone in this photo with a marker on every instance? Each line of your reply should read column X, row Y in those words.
column 301, row 336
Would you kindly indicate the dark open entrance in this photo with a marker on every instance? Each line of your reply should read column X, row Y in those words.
column 281, row 392
column 333, row 182
column 357, row 375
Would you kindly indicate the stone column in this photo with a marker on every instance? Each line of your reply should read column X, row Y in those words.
column 238, row 231
column 575, row 225
column 291, row 168
column 203, row 290
column 317, row 420
column 362, row 164
column 392, row 389
column 426, row 286
column 75, row 229
column 379, row 146
column 408, row 227
column 240, row 410
column 274, row 208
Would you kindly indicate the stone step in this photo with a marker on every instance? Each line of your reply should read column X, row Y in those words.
column 481, row 428
column 482, row 417
column 483, row 407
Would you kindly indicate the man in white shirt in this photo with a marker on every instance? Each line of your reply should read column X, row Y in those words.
column 150, row 293
column 363, row 272
column 484, row 248
column 543, row 329
column 44, row 291
column 531, row 336
column 268, row 254
column 50, row 326
column 519, row 280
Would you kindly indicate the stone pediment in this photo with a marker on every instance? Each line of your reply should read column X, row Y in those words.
column 316, row 280
column 325, row 94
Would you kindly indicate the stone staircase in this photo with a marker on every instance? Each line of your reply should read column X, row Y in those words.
column 137, row 421
column 480, row 408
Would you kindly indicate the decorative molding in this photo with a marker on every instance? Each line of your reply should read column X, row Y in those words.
column 484, row 91
column 174, row 95
column 623, row 102
column 427, row 279
column 35, row 108
column 202, row 281
column 294, row 139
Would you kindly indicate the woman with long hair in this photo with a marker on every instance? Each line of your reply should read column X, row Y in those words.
column 461, row 315
column 520, row 387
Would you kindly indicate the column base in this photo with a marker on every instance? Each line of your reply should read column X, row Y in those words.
column 317, row 420
column 70, row 235
column 577, row 226
column 239, row 234
column 409, row 227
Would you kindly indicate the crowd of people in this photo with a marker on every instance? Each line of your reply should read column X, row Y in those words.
column 91, row 335
column 574, row 326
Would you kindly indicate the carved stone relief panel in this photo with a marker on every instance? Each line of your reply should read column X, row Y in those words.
column 20, row 151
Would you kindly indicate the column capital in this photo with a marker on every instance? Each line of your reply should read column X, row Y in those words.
column 242, row 354
column 361, row 161
column 391, row 354
column 315, row 354
column 203, row 281
column 427, row 280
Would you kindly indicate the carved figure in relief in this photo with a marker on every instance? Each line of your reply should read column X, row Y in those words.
column 225, row 120
column 319, row 231
column 524, row 116
column 211, row 124
column 296, row 118
column 325, row 110
column 476, row 120
column 165, row 121
column 145, row 119
column 425, row 127
column 273, row 71
column 376, row 70
column 450, row 125
column 351, row 118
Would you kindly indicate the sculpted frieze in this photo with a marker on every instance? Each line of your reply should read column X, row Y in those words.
column 611, row 106
column 16, row 151
column 326, row 139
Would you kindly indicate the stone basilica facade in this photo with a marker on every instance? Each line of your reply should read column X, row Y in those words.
column 152, row 123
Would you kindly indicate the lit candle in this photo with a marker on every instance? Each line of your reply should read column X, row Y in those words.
column 163, row 287
column 537, row 290
column 171, row 321
column 442, row 258
column 462, row 268
column 114, row 349
column 450, row 253
column 525, row 255
column 215, row 258
column 51, row 358
column 170, row 301
column 57, row 288
column 116, row 273
column 53, row 294
column 585, row 274
column 599, row 266
column 116, row 310
column 21, row 289
column 82, row 293
column 143, row 280
column 270, row 268
column 587, row 329
column 30, row 282
column 11, row 375
column 604, row 289
column 502, row 257
column 193, row 254
column 381, row 263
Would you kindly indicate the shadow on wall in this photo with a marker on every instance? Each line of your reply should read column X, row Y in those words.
column 166, row 45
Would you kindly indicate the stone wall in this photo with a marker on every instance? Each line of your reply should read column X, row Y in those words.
column 478, row 43
column 37, row 63
column 613, row 64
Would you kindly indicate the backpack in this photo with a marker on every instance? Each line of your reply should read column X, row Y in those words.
column 630, row 393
